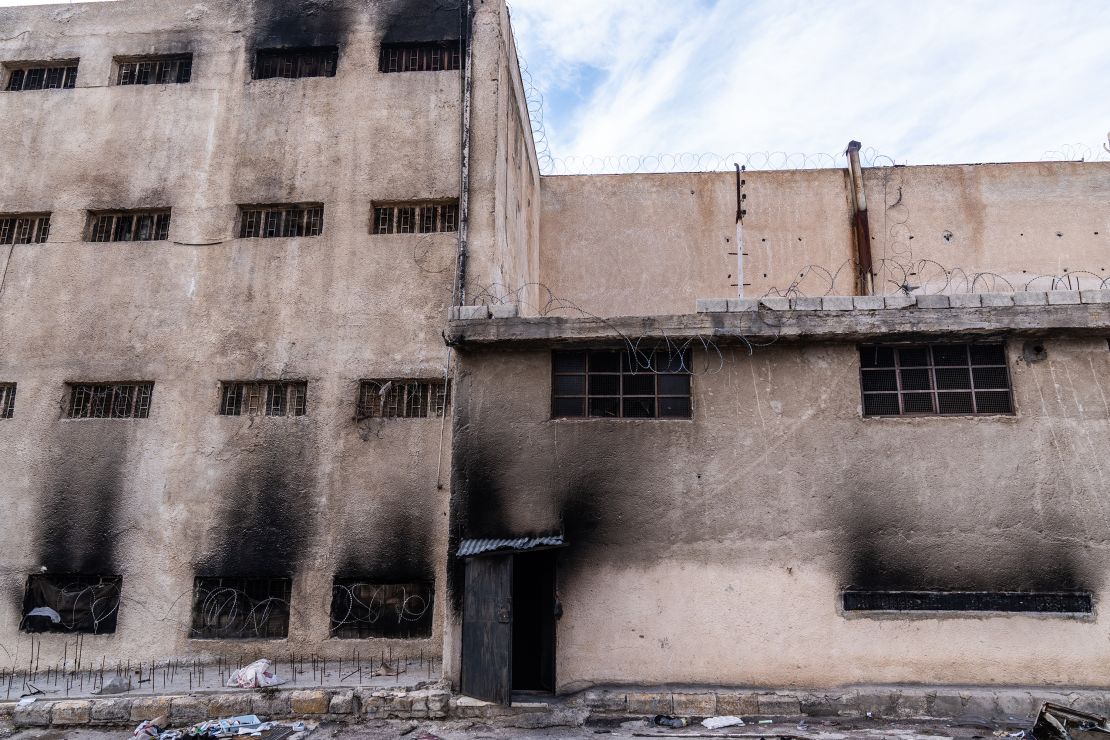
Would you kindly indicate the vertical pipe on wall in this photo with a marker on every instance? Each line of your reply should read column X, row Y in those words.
column 466, row 22
column 740, row 212
column 865, row 276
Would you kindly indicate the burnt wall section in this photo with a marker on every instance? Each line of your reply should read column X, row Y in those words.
column 300, row 23
column 416, row 21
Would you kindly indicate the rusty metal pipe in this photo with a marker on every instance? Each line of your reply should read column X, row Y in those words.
column 865, row 271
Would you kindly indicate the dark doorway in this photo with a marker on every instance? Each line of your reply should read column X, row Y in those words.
column 487, row 629
column 534, row 616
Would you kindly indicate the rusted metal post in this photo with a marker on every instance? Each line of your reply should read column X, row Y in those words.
column 865, row 270
column 740, row 213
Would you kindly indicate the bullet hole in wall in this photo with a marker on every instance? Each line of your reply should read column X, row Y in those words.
column 947, row 236
column 1034, row 351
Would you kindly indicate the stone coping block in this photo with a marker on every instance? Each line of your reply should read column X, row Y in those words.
column 868, row 302
column 965, row 300
column 712, row 305
column 468, row 313
column 1094, row 296
column 1031, row 298
column 1064, row 297
column 933, row 301
column 739, row 305
column 803, row 303
column 504, row 311
column 71, row 713
column 775, row 303
column 900, row 301
column 993, row 300
column 837, row 303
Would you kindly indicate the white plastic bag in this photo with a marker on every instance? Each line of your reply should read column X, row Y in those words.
column 257, row 675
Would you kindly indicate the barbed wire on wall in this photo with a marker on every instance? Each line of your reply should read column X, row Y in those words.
column 534, row 100
column 1079, row 153
column 710, row 162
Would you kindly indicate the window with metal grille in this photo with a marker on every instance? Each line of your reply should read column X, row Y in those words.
column 402, row 399
column 314, row 61
column 129, row 226
column 620, row 384
column 7, row 400
column 24, row 228
column 44, row 76
column 240, row 608
column 935, row 379
column 264, row 398
column 85, row 604
column 109, row 400
column 436, row 56
column 268, row 222
column 413, row 218
column 968, row 601
column 362, row 609
column 155, row 70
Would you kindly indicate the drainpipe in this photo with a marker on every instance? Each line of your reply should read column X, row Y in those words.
column 458, row 293
column 865, row 274
column 740, row 213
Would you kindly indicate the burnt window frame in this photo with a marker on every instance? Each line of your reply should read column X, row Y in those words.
column 421, row 56
column 28, row 76
column 117, row 401
column 872, row 368
column 152, row 69
column 78, row 585
column 228, row 607
column 431, row 399
column 862, row 602
column 126, row 225
column 411, row 217
column 352, row 615
column 7, row 400
column 631, row 364
column 281, row 221
column 257, row 398
column 24, row 228
column 295, row 62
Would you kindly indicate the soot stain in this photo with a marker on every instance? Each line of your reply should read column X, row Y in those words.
column 415, row 21
column 300, row 23
column 399, row 549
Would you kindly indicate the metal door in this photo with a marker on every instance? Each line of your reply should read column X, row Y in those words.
column 487, row 648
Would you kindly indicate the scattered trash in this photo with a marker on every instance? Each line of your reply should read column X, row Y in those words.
column 1055, row 722
column 766, row 721
column 151, row 727
column 45, row 611
column 26, row 701
column 116, row 685
column 716, row 723
column 247, row 725
column 666, row 720
column 258, row 675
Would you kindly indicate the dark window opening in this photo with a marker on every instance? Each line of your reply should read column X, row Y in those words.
column 360, row 610
column 7, row 400
column 619, row 384
column 129, row 226
column 54, row 76
column 436, row 56
column 269, row 222
column 968, row 601
column 402, row 399
column 240, row 608
column 25, row 229
column 412, row 218
column 266, row 398
column 316, row 61
column 110, row 400
column 85, row 604
column 157, row 70
column 935, row 379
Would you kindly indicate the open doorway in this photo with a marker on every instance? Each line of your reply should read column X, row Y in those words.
column 534, row 614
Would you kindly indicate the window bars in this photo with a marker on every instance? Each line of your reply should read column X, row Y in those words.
column 129, row 226
column 109, row 400
column 157, row 70
column 361, row 610
column 7, row 400
column 240, row 608
column 24, row 228
column 402, row 399
column 268, row 222
column 317, row 61
column 55, row 76
column 436, row 56
column 935, row 379
column 264, row 398
column 84, row 604
column 415, row 218
column 617, row 384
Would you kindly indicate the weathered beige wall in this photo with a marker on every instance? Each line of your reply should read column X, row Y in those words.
column 713, row 550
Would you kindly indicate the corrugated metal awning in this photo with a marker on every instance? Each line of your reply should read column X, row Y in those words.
column 470, row 548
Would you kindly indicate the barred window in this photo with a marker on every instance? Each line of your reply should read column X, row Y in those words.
column 268, row 222
column 402, row 399
column 362, row 609
column 109, row 400
column 240, row 608
column 935, row 379
column 129, row 226
column 265, row 398
column 412, row 218
column 620, row 384
column 436, row 56
column 969, row 601
column 71, row 604
column 155, row 70
column 7, row 400
column 25, row 228
column 48, row 76
column 315, row 61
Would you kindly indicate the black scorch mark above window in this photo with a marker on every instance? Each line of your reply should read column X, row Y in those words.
column 109, row 400
column 619, row 384
column 363, row 609
column 24, row 228
column 49, row 76
column 968, row 601
column 415, row 218
column 85, row 604
column 129, row 226
column 265, row 398
column 240, row 608
column 268, row 222
column 314, row 61
column 437, row 56
column 154, row 70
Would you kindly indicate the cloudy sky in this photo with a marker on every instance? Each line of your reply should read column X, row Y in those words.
column 925, row 81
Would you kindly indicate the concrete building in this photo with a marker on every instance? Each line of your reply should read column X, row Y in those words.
column 798, row 428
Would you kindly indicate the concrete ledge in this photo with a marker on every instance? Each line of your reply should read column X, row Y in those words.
column 468, row 313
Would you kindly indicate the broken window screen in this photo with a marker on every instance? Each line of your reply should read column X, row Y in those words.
column 315, row 61
column 51, row 76
column 109, row 400
column 362, row 609
column 412, row 218
column 129, row 226
column 935, row 379
column 402, row 399
column 7, row 400
column 240, row 608
column 269, row 222
column 157, row 70
column 436, row 56
column 968, row 601
column 85, row 604
column 620, row 384
column 264, row 398
column 24, row 228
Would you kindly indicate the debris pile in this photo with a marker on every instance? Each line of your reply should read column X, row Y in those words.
column 1055, row 722
column 247, row 725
